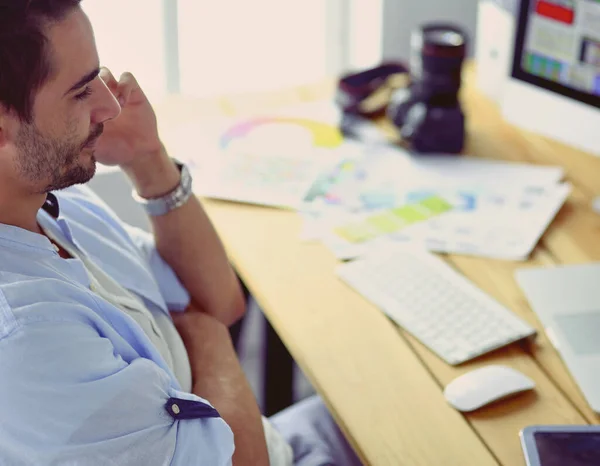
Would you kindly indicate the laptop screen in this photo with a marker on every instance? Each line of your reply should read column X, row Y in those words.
column 581, row 330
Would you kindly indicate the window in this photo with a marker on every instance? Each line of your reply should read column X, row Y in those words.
column 202, row 47
column 130, row 37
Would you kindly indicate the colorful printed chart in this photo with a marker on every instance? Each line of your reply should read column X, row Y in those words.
column 502, row 223
column 497, row 209
column 324, row 135
column 272, row 160
column 268, row 159
column 324, row 188
column 392, row 220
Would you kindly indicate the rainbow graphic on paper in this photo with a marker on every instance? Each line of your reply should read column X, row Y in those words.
column 324, row 135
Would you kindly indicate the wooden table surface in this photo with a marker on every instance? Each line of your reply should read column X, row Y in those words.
column 383, row 387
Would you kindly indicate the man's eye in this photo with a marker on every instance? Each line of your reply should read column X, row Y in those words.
column 85, row 94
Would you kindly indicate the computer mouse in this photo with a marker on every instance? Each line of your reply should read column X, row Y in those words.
column 483, row 386
column 596, row 205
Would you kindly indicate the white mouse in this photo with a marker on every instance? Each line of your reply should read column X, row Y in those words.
column 481, row 387
column 596, row 205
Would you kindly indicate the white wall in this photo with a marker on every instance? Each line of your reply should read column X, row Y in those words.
column 400, row 17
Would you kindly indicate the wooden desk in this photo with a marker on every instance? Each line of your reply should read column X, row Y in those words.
column 384, row 387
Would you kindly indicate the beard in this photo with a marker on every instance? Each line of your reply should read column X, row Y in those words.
column 51, row 164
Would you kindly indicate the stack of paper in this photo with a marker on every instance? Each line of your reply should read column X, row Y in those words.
column 355, row 196
column 271, row 159
column 485, row 208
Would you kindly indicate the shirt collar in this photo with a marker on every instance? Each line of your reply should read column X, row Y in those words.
column 16, row 235
column 20, row 237
column 51, row 206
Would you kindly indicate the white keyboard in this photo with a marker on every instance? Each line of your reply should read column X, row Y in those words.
column 433, row 302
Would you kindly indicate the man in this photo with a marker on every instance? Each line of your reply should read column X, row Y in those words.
column 114, row 344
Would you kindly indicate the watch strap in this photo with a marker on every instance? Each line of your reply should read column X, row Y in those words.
column 164, row 204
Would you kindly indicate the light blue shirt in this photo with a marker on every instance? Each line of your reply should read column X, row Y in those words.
column 80, row 382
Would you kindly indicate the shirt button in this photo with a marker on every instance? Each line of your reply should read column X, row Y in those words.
column 92, row 287
column 175, row 408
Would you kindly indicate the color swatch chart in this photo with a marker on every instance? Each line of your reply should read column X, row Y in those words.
column 392, row 220
column 270, row 160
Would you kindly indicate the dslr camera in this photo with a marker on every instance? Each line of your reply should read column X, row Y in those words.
column 426, row 110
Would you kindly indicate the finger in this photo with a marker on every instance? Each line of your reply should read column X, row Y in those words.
column 127, row 84
column 108, row 79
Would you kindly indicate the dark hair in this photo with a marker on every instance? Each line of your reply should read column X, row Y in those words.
column 25, row 63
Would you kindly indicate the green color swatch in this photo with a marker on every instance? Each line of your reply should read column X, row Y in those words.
column 392, row 220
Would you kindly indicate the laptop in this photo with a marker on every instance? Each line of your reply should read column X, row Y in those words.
column 566, row 300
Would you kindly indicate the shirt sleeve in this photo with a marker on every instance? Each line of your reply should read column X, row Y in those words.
column 67, row 397
column 174, row 293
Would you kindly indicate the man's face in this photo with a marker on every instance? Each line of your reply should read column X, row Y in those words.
column 56, row 150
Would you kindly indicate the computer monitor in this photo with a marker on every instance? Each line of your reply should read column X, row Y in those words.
column 554, row 88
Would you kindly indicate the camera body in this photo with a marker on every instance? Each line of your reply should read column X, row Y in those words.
column 428, row 113
column 426, row 126
column 423, row 103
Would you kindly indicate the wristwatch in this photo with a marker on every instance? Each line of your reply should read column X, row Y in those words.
column 171, row 201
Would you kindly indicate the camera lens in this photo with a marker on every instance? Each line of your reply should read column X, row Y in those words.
column 444, row 38
column 437, row 54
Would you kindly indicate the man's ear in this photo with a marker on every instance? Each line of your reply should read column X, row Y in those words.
column 7, row 127
column 3, row 132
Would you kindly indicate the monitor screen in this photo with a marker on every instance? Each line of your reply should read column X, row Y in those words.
column 568, row 448
column 558, row 47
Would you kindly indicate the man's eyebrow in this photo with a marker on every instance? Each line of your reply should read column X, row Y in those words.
column 85, row 80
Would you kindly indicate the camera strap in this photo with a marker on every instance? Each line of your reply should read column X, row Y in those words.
column 368, row 92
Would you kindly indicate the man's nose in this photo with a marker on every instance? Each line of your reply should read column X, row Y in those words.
column 106, row 106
